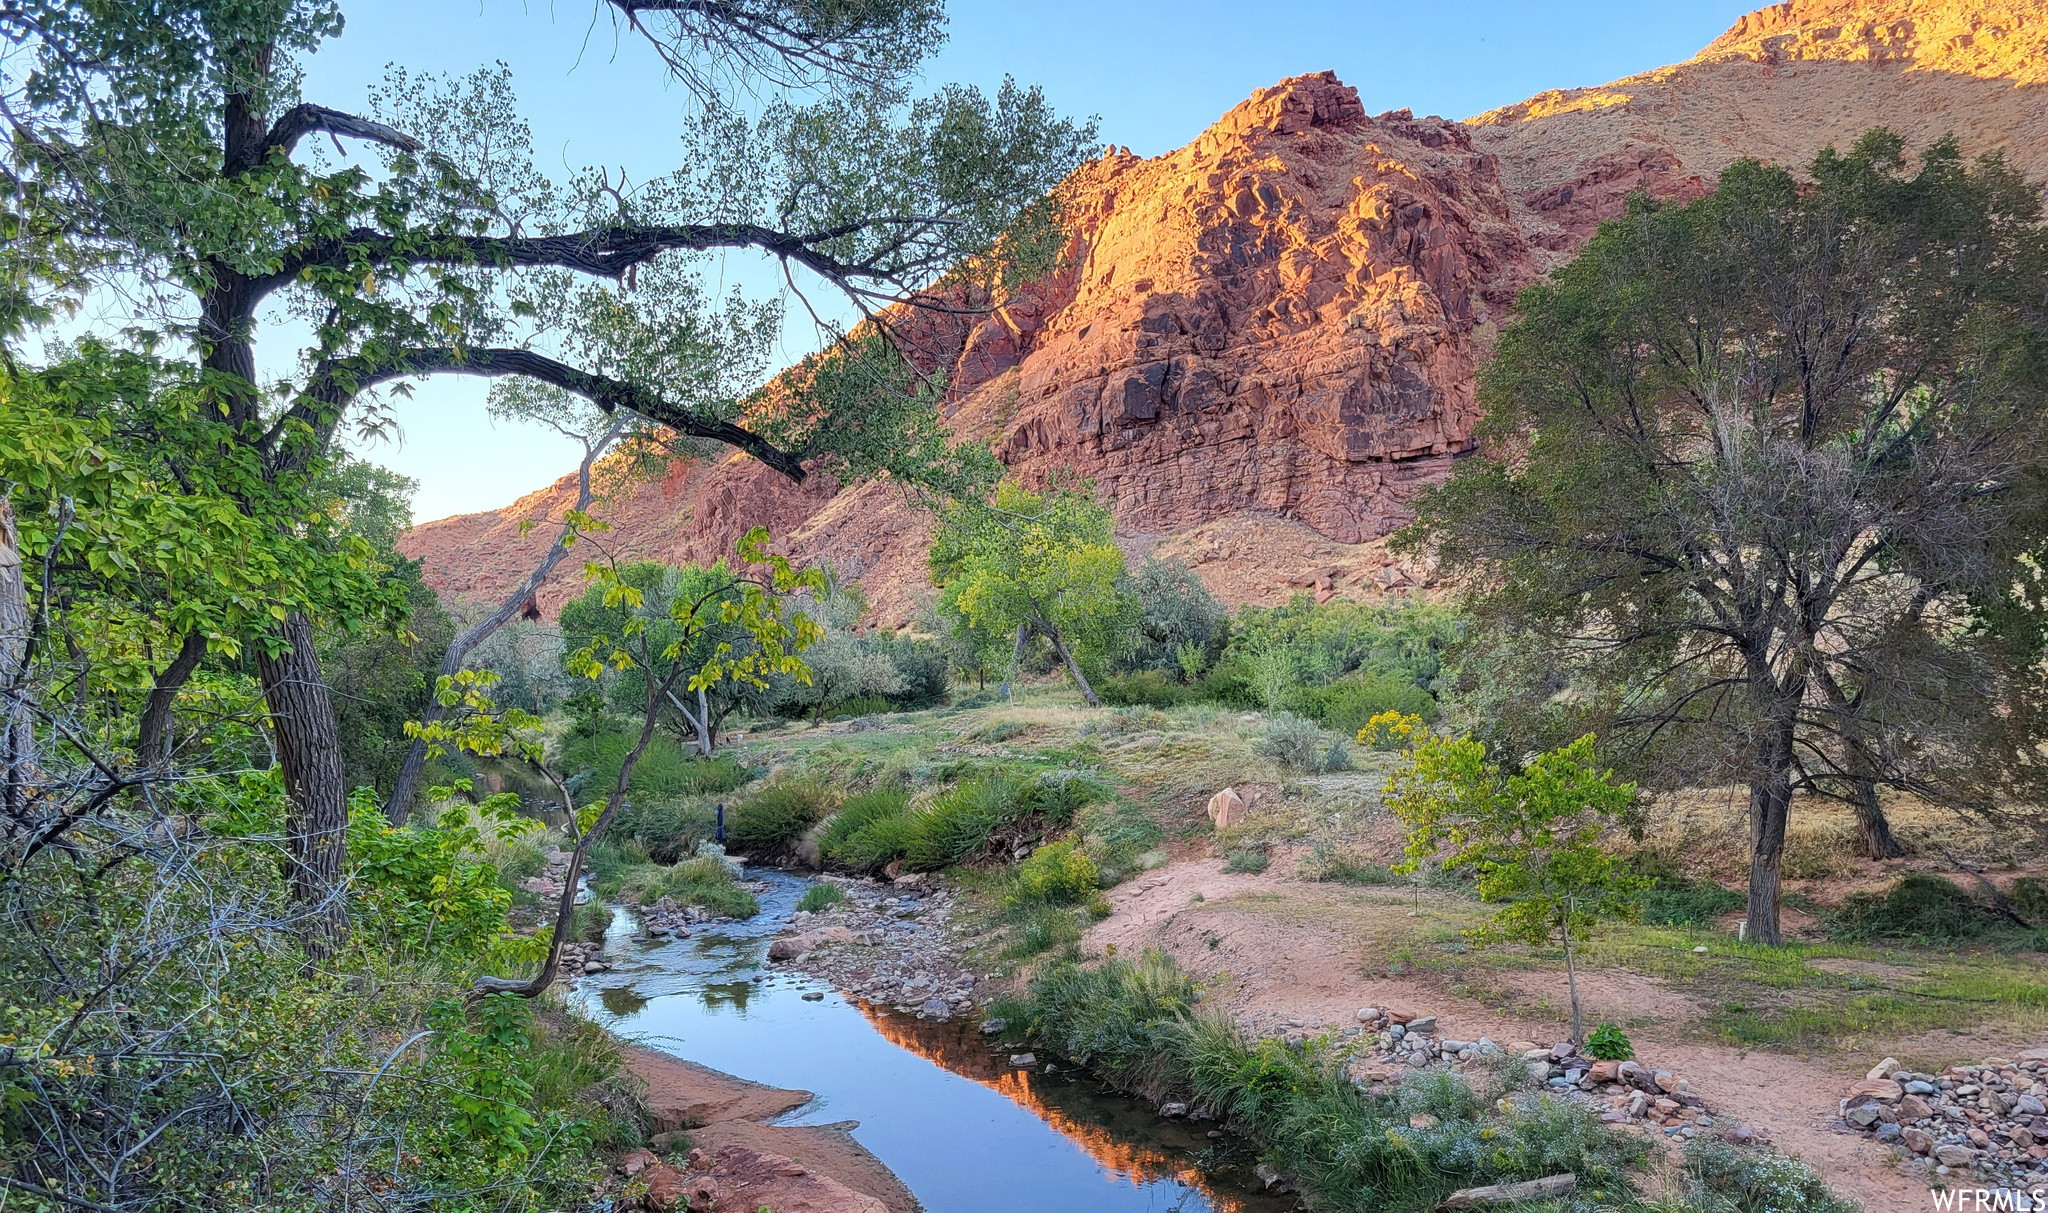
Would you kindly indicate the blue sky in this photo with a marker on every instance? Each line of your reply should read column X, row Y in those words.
column 1155, row 73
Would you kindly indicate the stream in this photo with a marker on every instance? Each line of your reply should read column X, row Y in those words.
column 935, row 1102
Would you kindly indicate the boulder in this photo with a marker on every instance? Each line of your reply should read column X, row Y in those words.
column 1226, row 809
column 1884, row 1090
column 1422, row 1024
column 1883, row 1069
column 1919, row 1141
column 1954, row 1156
column 1912, row 1107
column 742, row 1178
column 667, row 1188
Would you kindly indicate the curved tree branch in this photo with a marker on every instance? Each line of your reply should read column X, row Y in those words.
column 342, row 380
column 302, row 120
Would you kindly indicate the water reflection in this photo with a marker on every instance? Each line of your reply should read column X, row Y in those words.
column 966, row 1133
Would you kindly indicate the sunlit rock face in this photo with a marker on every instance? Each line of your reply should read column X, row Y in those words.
column 1266, row 342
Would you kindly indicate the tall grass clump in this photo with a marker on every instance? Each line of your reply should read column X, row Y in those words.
column 1717, row 1178
column 869, row 830
column 820, row 897
column 777, row 816
column 1139, row 1024
column 705, row 882
column 959, row 822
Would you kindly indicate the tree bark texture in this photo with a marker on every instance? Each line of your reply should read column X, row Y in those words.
column 1059, row 644
column 153, row 737
column 1874, row 834
column 17, row 729
column 309, row 752
column 1770, row 808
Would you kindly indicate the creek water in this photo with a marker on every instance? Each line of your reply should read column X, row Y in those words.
column 935, row 1102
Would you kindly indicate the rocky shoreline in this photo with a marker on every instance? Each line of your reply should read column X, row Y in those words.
column 889, row 945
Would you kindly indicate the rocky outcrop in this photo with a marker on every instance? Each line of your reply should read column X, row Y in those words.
column 1273, row 332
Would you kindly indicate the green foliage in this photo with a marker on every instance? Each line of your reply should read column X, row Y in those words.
column 1044, row 560
column 771, row 821
column 1533, row 837
column 959, row 822
column 1676, row 901
column 1300, row 745
column 668, row 831
column 590, row 922
column 1247, row 859
column 419, row 889
column 1348, row 704
column 1059, row 874
column 1717, row 1178
column 1181, row 627
column 1607, row 1043
column 488, row 1049
column 869, row 830
column 820, row 897
column 705, row 882
column 1918, row 908
column 1137, row 1023
column 1155, row 688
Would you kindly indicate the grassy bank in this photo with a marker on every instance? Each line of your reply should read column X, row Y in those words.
column 1140, row 1025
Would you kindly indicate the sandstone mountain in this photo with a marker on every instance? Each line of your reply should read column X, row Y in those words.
column 1266, row 341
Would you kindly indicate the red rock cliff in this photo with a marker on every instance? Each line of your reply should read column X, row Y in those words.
column 1266, row 341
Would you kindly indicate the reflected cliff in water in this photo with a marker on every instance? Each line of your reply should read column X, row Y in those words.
column 934, row 1101
column 1126, row 1137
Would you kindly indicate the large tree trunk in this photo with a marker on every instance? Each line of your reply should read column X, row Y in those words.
column 1874, row 834
column 1770, row 807
column 17, row 728
column 1059, row 645
column 1016, row 667
column 309, row 751
column 398, row 810
column 153, row 738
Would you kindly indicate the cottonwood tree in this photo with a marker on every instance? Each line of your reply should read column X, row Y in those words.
column 162, row 155
column 1027, row 564
column 1765, row 474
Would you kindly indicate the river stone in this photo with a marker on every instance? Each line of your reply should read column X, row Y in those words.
column 1954, row 1156
column 935, row 1008
column 990, row 1027
column 1422, row 1025
column 2030, row 1105
column 1023, row 1059
column 1882, row 1089
column 1919, row 1141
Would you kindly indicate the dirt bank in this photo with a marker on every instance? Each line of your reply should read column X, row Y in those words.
column 717, row 1110
column 1287, row 956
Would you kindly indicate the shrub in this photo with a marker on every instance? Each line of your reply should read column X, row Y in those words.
column 772, row 821
column 1607, row 1043
column 1057, row 874
column 1349, row 703
column 1292, row 741
column 705, row 882
column 1723, row 1179
column 862, row 705
column 1153, row 688
column 1059, row 795
column 920, row 674
column 1679, row 902
column 1326, row 863
column 2029, row 895
column 820, row 897
column 1247, row 859
column 1390, row 730
column 669, row 830
column 1919, row 907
